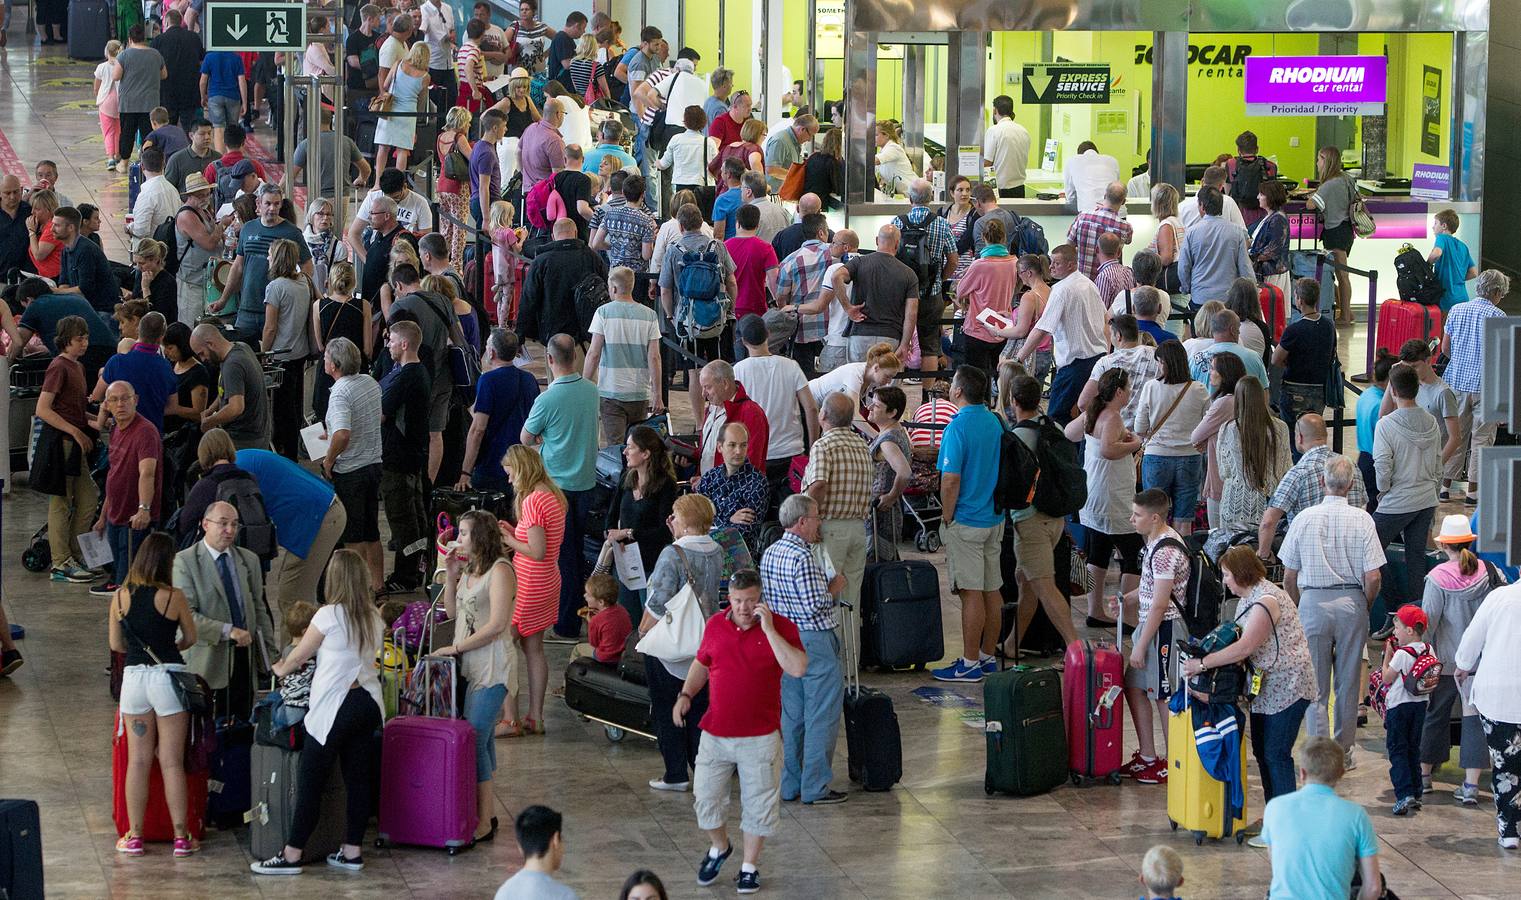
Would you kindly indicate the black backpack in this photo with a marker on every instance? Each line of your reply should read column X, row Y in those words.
column 1061, row 485
column 914, row 251
column 1206, row 590
column 256, row 531
column 590, row 295
column 1018, row 473
column 1415, row 278
column 1249, row 175
column 165, row 234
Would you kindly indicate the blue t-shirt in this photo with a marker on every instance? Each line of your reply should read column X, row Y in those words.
column 295, row 499
column 1368, row 403
column 1158, row 333
column 1451, row 267
column 1316, row 839
column 483, row 163
column 724, row 208
column 222, row 69
column 970, row 449
column 505, row 395
column 565, row 416
column 150, row 375
column 41, row 317
column 253, row 246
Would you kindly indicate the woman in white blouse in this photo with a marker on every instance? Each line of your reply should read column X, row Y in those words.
column 345, row 712
column 1170, row 408
column 894, row 170
column 687, row 154
column 1487, row 658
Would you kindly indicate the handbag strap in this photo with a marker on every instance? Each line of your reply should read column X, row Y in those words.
column 686, row 566
column 125, row 623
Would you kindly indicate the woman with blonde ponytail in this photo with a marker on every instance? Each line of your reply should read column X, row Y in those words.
column 1454, row 591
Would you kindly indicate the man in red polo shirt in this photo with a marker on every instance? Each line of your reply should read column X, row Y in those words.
column 134, row 477
column 726, row 127
column 743, row 654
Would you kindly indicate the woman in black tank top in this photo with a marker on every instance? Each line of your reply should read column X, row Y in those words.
column 339, row 314
column 150, row 623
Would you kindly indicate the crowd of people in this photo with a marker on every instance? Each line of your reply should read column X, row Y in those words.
column 235, row 409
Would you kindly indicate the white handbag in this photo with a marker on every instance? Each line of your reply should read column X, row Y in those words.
column 678, row 633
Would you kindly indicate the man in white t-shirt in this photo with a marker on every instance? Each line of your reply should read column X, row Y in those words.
column 1006, row 147
column 1088, row 175
column 781, row 389
column 1074, row 318
column 836, row 350
column 1188, row 210
column 439, row 34
column 493, row 42
column 411, row 209
column 395, row 48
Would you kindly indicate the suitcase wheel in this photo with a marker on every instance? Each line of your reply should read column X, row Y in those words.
column 1198, row 838
column 927, row 542
column 987, row 785
column 454, row 851
column 36, row 558
column 613, row 733
column 1075, row 778
column 1114, row 778
column 1173, row 824
column 381, row 842
column 1240, row 838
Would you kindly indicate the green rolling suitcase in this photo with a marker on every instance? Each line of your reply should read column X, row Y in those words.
column 1027, row 739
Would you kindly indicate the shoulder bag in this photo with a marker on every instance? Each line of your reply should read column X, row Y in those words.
column 1357, row 211
column 192, row 689
column 464, row 365
column 678, row 633
column 1334, row 391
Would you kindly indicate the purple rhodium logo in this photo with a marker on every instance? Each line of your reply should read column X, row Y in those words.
column 1316, row 85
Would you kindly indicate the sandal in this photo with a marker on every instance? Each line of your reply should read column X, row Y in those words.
column 506, row 728
column 532, row 726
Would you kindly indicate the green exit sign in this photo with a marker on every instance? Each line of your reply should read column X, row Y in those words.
column 255, row 26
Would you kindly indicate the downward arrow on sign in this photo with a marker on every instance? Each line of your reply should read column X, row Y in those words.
column 237, row 29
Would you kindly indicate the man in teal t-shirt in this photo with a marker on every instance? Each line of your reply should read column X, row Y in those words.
column 563, row 423
column 1451, row 260
column 1316, row 838
column 971, row 528
column 1368, row 404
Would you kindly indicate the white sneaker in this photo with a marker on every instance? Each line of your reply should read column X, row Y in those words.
column 1510, row 843
column 660, row 784
column 1350, row 761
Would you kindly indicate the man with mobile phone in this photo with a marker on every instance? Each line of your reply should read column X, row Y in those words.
column 744, row 652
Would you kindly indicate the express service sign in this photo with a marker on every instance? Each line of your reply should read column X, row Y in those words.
column 1052, row 83
column 1316, row 85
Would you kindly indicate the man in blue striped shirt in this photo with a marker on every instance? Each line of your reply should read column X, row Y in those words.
column 795, row 585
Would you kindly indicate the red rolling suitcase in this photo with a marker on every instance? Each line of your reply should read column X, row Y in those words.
column 156, row 825
column 1399, row 321
column 1275, row 309
column 1093, row 684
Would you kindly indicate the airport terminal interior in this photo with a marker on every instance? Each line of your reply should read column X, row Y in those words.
column 1158, row 98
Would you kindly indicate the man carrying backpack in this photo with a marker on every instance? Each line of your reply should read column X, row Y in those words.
column 1245, row 173
column 697, row 290
column 927, row 246
column 1035, row 534
column 889, row 308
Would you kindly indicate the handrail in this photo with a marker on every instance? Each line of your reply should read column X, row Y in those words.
column 1323, row 260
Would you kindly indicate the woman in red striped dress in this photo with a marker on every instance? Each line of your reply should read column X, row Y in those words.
column 535, row 544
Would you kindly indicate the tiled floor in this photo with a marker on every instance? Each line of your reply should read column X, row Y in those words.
column 936, row 835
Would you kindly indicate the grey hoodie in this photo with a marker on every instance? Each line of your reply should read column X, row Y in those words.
column 1407, row 449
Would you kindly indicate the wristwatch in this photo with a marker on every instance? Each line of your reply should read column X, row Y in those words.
column 145, row 507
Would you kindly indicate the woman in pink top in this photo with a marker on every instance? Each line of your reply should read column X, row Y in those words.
column 1034, row 274
column 535, row 545
column 989, row 284
column 1224, row 371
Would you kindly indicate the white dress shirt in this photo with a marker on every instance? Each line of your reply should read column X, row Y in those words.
column 437, row 22
column 684, row 156
column 1007, row 146
column 157, row 200
column 1489, row 649
column 1074, row 317
column 1087, row 175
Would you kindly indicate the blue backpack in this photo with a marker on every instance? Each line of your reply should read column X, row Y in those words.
column 1028, row 237
column 699, row 284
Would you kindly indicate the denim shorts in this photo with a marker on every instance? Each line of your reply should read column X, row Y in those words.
column 146, row 689
column 223, row 111
column 1179, row 476
column 483, row 706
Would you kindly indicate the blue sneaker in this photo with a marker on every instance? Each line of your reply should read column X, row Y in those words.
column 989, row 665
column 707, row 870
column 959, row 671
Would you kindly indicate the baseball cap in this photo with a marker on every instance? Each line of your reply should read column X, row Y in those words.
column 1412, row 616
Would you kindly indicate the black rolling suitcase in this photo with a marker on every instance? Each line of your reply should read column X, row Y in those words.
column 1042, row 636
column 599, row 692
column 900, row 615
column 446, row 506
column 89, row 29
column 609, row 478
column 1026, row 735
column 873, row 743
column 20, row 850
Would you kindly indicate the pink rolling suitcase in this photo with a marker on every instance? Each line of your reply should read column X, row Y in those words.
column 427, row 776
column 1400, row 321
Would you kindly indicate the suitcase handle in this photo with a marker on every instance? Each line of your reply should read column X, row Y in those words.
column 1103, row 714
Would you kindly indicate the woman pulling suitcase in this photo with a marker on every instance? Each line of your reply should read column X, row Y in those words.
column 345, row 712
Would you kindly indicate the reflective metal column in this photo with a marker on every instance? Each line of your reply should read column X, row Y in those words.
column 860, row 114
column 966, row 76
column 1169, row 107
column 1470, row 57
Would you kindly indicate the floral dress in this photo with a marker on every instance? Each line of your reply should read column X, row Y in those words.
column 1242, row 507
column 1284, row 658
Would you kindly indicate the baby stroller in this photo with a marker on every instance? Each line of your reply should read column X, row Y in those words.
column 921, row 500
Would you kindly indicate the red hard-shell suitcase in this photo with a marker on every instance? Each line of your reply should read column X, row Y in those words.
column 156, row 824
column 1093, row 684
column 427, row 779
column 1275, row 309
column 1399, row 321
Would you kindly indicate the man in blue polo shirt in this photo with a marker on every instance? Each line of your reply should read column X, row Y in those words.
column 1316, row 838
column 971, row 529
column 145, row 368
column 563, row 423
column 292, row 498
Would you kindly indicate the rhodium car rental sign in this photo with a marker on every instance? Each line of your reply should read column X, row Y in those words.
column 1316, row 85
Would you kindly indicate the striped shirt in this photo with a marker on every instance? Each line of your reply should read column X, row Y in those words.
column 469, row 60
column 793, row 584
column 801, row 277
column 1465, row 331
column 354, row 406
column 627, row 328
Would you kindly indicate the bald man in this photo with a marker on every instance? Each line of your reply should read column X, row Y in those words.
column 1304, row 485
column 890, row 308
column 789, row 239
column 1107, row 217
column 241, row 407
column 134, row 481
column 14, row 211
column 224, row 585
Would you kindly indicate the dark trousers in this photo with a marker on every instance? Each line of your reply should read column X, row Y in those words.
column 132, row 125
column 677, row 743
column 1436, row 733
column 443, row 92
column 350, row 742
column 124, row 542
column 807, row 357
column 286, row 415
column 1066, row 386
column 1405, row 584
column 1273, row 738
column 572, row 563
column 1012, row 192
column 407, row 513
column 983, row 355
column 1294, row 400
column 1370, row 479
column 1402, row 739
column 236, row 700
column 778, row 472
column 184, row 115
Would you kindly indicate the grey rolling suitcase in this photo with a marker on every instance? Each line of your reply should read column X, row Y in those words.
column 275, row 772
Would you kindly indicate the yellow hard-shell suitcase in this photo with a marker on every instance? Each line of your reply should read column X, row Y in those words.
column 1196, row 801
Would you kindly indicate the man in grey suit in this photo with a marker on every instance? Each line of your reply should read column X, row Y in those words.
column 225, row 586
